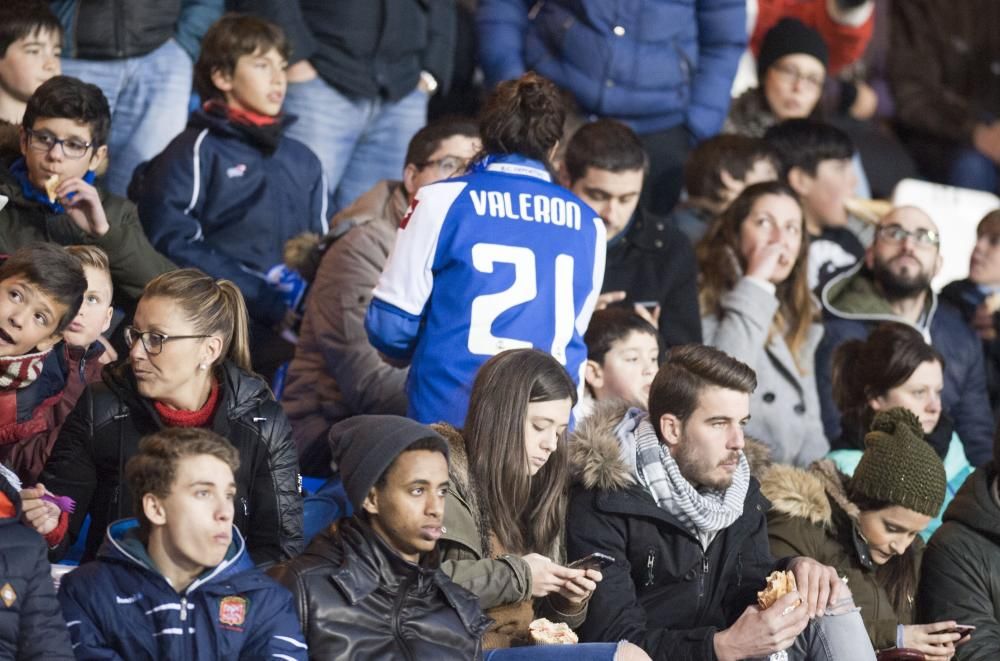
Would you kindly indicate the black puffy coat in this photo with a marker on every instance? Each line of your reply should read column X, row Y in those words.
column 31, row 622
column 103, row 432
column 357, row 599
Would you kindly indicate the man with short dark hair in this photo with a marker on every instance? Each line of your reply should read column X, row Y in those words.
column 650, row 264
column 176, row 582
column 893, row 283
column 671, row 497
column 369, row 586
column 336, row 372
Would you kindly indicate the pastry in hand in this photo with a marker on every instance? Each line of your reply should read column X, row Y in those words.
column 51, row 186
column 545, row 632
column 779, row 583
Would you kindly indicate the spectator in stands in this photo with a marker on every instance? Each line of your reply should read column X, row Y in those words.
column 31, row 624
column 30, row 43
column 189, row 366
column 232, row 188
column 977, row 298
column 498, row 259
column 51, row 192
column 757, row 307
column 845, row 25
column 181, row 547
column 715, row 173
column 816, row 163
column 76, row 362
column 623, row 354
column 791, row 69
column 649, row 264
column 671, row 497
column 336, row 373
column 894, row 367
column 943, row 67
column 960, row 573
column 142, row 61
column 663, row 68
column 893, row 284
column 867, row 527
column 41, row 289
column 369, row 586
column 362, row 73
column 505, row 514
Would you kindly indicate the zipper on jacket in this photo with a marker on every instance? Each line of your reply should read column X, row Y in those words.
column 397, row 631
column 246, row 509
column 184, row 609
column 739, row 569
column 704, row 573
column 650, row 563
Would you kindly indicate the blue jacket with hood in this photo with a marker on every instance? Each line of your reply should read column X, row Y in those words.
column 121, row 607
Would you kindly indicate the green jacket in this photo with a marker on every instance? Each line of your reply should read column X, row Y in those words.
column 960, row 577
column 811, row 516
column 465, row 551
column 134, row 261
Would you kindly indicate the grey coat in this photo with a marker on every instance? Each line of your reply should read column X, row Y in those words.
column 784, row 410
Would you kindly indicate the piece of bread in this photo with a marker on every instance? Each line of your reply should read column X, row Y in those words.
column 51, row 185
column 870, row 211
column 545, row 632
column 779, row 583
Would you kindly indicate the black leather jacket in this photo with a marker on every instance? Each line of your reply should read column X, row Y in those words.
column 103, row 432
column 357, row 599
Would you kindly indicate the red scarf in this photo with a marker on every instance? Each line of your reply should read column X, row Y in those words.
column 201, row 418
column 21, row 371
column 239, row 116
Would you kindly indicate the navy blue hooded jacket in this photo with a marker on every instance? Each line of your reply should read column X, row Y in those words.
column 218, row 200
column 121, row 607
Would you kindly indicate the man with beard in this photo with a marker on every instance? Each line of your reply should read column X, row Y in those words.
column 671, row 497
column 892, row 283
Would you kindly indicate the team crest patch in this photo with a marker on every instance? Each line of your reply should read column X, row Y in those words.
column 8, row 595
column 236, row 171
column 233, row 611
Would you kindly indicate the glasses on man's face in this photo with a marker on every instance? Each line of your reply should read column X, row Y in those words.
column 448, row 166
column 152, row 341
column 793, row 75
column 43, row 141
column 896, row 234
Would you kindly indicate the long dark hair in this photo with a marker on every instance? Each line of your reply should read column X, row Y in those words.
column 898, row 576
column 866, row 369
column 526, row 513
column 722, row 265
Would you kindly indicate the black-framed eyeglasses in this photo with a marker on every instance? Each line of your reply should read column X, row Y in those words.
column 43, row 141
column 896, row 234
column 152, row 341
column 447, row 165
column 793, row 76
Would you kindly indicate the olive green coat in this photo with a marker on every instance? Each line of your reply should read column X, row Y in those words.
column 811, row 516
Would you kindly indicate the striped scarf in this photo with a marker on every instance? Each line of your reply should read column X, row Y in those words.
column 703, row 513
column 21, row 371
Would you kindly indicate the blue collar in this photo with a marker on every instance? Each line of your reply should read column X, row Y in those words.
column 19, row 169
column 512, row 164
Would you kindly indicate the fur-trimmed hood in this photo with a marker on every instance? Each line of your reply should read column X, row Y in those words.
column 461, row 480
column 595, row 455
column 806, row 494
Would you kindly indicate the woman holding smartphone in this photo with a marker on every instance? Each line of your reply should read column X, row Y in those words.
column 506, row 506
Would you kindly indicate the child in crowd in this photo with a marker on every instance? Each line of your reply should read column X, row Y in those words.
column 816, row 162
column 623, row 355
column 232, row 188
column 177, row 581
column 30, row 43
column 41, row 288
column 31, row 624
column 50, row 188
column 716, row 172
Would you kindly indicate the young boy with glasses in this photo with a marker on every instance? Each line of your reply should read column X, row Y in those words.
column 232, row 188
column 48, row 194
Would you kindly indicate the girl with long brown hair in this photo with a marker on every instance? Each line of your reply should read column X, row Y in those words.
column 757, row 307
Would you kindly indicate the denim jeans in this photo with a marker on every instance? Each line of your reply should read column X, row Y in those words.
column 838, row 635
column 148, row 96
column 582, row 652
column 358, row 141
column 970, row 169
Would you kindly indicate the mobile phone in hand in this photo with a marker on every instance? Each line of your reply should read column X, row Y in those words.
column 596, row 561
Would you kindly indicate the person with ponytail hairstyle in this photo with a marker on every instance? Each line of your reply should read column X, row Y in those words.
column 188, row 366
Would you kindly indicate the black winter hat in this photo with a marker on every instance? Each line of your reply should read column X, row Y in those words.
column 364, row 446
column 789, row 37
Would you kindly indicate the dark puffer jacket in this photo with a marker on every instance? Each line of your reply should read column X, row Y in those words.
column 31, row 623
column 103, row 433
column 357, row 599
column 960, row 575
